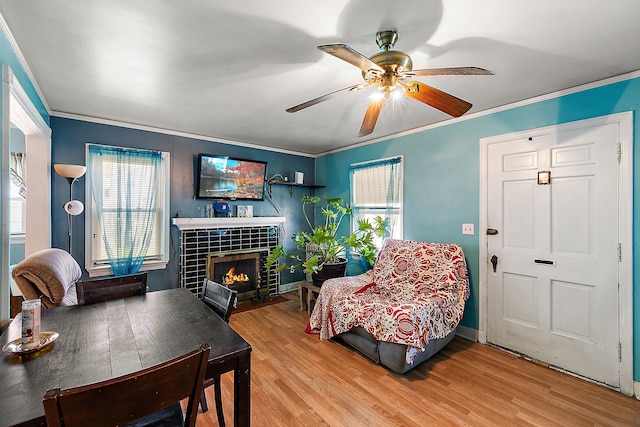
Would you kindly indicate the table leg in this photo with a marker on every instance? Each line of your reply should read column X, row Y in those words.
column 242, row 392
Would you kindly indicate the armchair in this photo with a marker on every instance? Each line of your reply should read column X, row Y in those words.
column 404, row 310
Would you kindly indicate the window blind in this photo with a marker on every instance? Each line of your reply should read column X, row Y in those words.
column 376, row 190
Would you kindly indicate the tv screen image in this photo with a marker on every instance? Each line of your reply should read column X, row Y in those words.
column 223, row 177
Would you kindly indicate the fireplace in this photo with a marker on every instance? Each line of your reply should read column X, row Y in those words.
column 203, row 239
column 237, row 271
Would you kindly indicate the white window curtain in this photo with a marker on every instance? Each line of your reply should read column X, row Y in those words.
column 125, row 188
column 17, row 170
column 376, row 190
column 18, row 193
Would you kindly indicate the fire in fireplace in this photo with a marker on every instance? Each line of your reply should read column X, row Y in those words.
column 232, row 277
column 237, row 271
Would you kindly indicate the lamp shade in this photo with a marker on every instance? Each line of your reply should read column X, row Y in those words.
column 74, row 207
column 70, row 171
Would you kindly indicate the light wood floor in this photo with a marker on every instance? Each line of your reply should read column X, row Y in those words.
column 298, row 380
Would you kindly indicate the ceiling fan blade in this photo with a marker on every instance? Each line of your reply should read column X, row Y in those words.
column 462, row 71
column 324, row 98
column 371, row 117
column 436, row 98
column 346, row 53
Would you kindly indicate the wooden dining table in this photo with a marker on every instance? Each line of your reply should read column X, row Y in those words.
column 109, row 339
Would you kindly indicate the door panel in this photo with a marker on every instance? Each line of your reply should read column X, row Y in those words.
column 554, row 294
column 520, row 299
column 572, row 214
column 519, row 219
column 572, row 310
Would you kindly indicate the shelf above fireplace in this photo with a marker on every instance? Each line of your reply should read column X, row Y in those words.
column 291, row 185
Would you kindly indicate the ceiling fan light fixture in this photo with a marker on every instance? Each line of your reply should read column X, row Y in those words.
column 412, row 88
column 377, row 96
column 388, row 70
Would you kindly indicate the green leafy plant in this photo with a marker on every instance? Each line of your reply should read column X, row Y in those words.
column 321, row 245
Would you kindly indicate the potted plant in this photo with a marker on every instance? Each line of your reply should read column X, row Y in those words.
column 322, row 249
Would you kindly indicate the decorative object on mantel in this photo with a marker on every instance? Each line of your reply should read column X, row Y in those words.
column 221, row 209
column 73, row 207
column 321, row 248
column 245, row 211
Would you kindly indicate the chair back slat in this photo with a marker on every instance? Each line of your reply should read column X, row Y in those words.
column 220, row 298
column 93, row 291
column 128, row 398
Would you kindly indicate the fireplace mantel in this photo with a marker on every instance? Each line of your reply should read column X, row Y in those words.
column 230, row 222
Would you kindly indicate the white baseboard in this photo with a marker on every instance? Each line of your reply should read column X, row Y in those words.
column 468, row 333
column 636, row 389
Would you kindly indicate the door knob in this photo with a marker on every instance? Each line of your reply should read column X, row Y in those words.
column 494, row 261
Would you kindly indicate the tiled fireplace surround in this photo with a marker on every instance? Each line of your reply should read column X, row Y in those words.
column 201, row 237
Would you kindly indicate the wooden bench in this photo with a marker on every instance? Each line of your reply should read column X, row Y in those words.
column 307, row 292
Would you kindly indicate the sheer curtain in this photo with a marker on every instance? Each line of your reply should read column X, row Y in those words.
column 376, row 189
column 123, row 185
column 17, row 168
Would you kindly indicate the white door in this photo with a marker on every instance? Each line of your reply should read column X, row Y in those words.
column 554, row 293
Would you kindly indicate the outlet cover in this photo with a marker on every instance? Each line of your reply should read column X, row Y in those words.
column 468, row 229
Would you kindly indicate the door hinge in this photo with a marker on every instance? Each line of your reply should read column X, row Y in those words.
column 619, row 252
column 619, row 351
column 619, row 152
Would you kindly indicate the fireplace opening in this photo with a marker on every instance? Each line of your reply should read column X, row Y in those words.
column 237, row 271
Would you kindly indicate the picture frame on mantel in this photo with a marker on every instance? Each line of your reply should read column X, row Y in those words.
column 244, row 211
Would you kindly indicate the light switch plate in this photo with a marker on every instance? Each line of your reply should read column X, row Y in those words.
column 468, row 229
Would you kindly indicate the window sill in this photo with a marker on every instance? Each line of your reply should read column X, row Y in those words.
column 105, row 270
column 17, row 239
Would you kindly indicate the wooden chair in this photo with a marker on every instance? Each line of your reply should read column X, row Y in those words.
column 93, row 291
column 221, row 300
column 150, row 397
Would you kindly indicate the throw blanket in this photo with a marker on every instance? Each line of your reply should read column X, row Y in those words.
column 49, row 274
column 416, row 292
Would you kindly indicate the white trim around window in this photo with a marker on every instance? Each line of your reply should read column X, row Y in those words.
column 96, row 270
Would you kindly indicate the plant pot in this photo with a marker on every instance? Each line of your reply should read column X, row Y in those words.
column 364, row 264
column 329, row 271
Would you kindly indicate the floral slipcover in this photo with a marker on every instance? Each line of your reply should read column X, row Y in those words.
column 415, row 292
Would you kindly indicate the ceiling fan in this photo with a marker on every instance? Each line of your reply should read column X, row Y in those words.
column 388, row 70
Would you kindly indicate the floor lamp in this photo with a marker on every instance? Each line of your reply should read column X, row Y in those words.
column 73, row 207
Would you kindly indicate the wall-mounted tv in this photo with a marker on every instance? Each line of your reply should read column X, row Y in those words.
column 223, row 177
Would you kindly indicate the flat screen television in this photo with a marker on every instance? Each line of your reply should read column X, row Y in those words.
column 224, row 177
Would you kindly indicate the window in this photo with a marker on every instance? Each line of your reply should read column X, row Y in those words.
column 128, row 212
column 18, row 211
column 18, row 194
column 376, row 190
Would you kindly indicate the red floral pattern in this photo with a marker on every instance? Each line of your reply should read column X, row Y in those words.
column 415, row 292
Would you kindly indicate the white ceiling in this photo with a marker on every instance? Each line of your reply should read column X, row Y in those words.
column 228, row 70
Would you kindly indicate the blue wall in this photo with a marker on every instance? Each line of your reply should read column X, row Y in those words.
column 442, row 173
column 8, row 56
column 69, row 138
